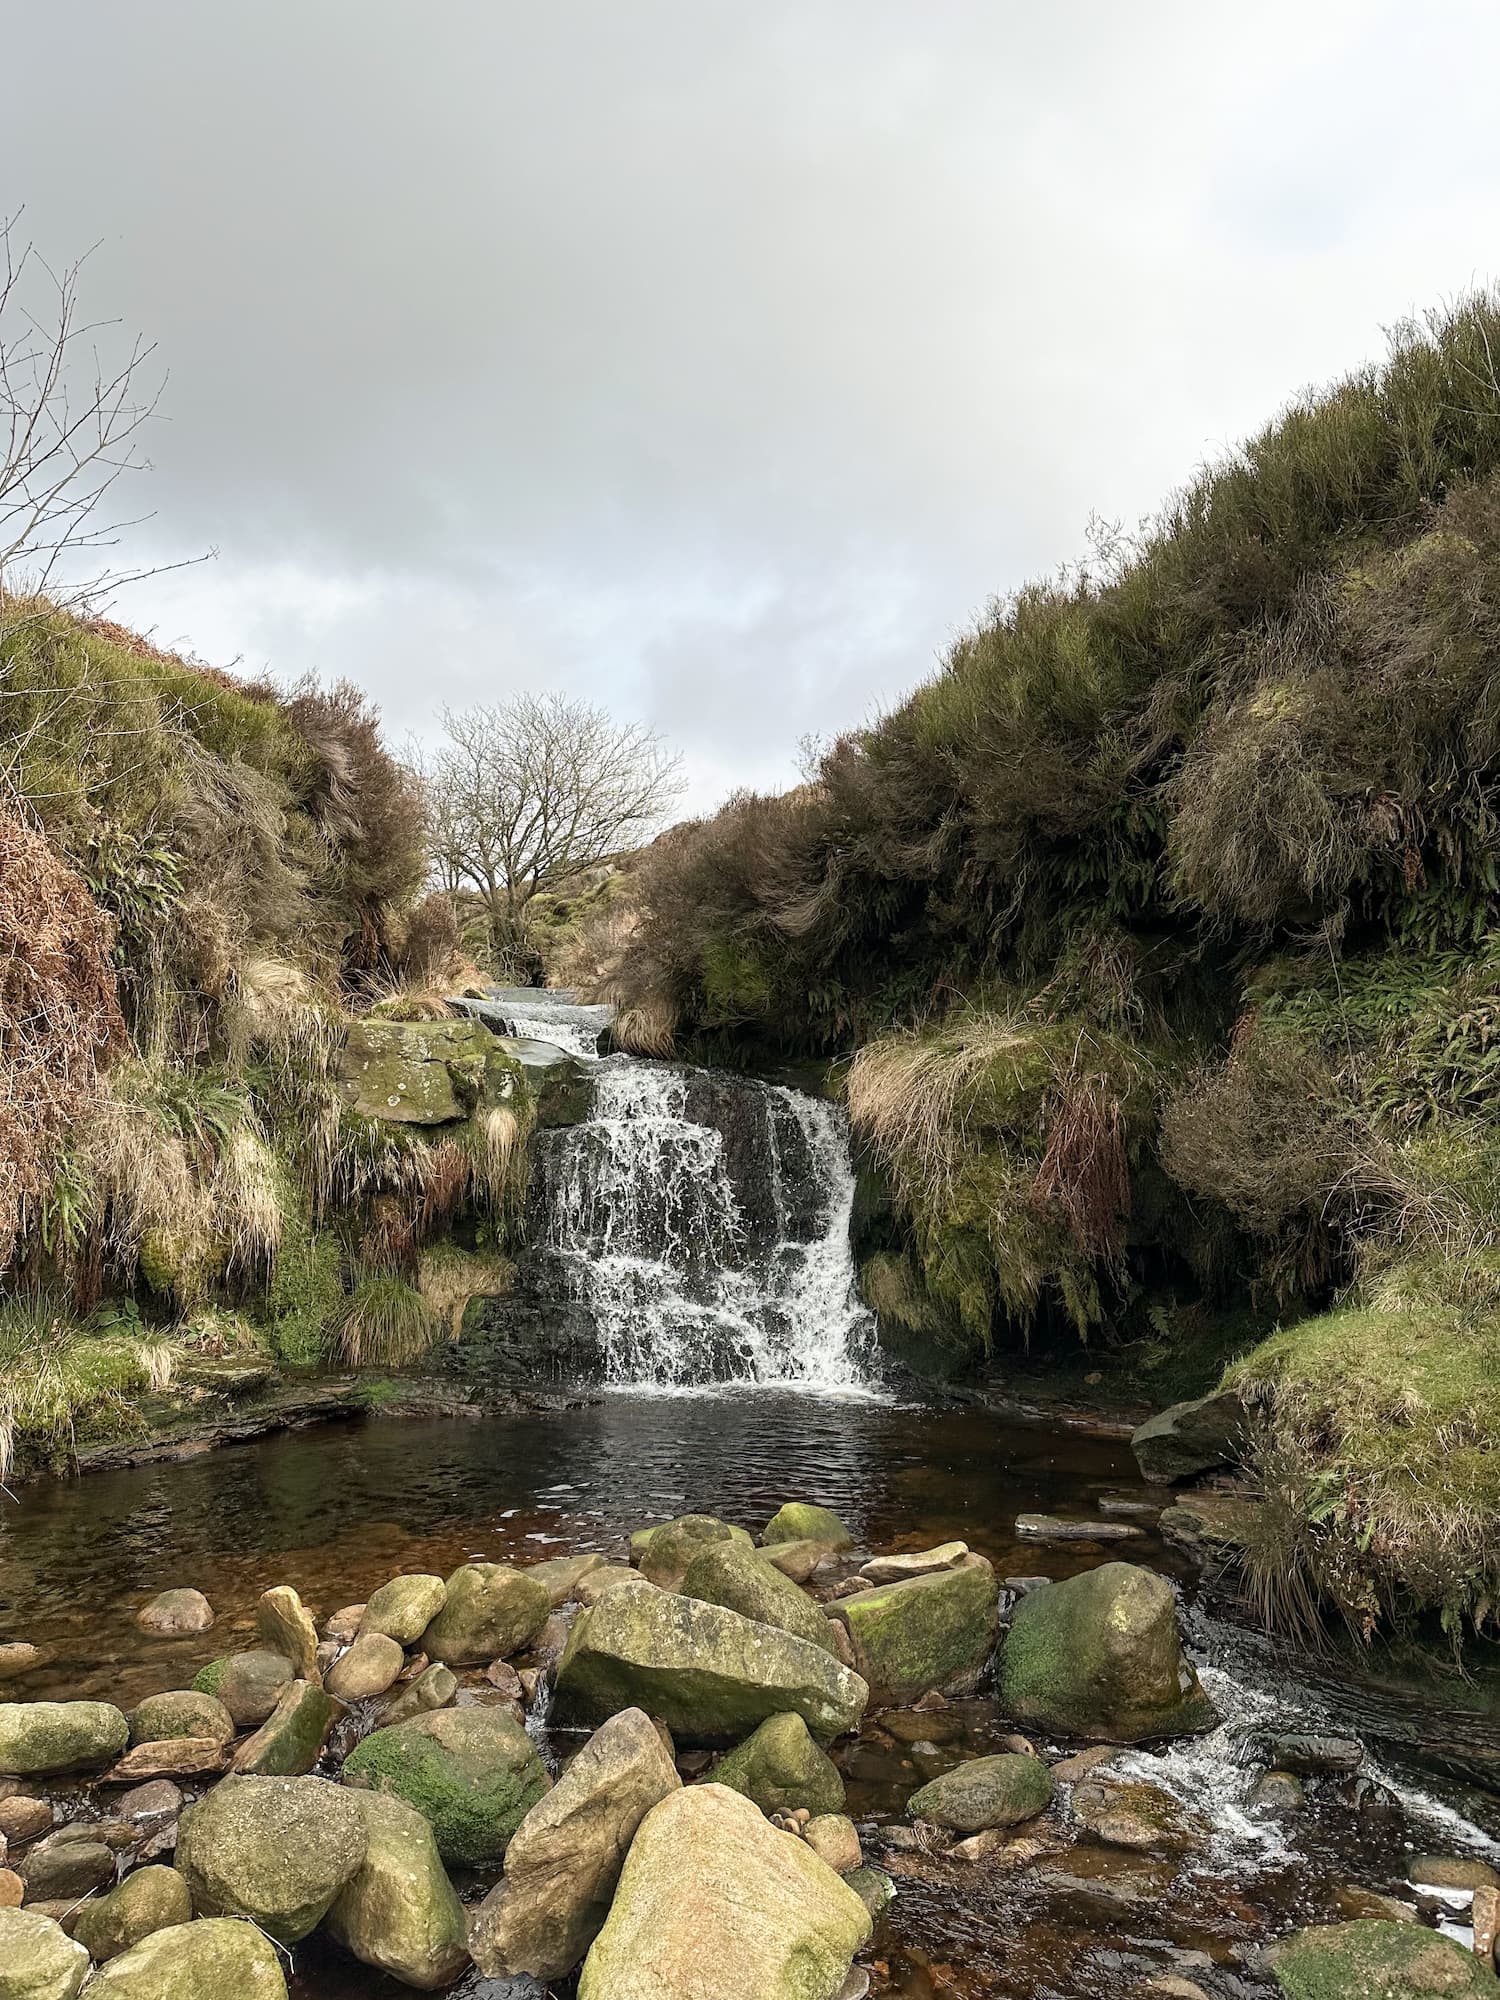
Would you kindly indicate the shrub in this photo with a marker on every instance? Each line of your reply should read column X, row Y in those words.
column 385, row 1323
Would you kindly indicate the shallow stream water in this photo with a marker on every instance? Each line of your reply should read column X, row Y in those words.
column 336, row 1511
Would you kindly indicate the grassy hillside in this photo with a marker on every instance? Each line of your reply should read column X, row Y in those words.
column 1161, row 927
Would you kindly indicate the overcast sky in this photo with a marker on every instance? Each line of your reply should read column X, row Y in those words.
column 716, row 359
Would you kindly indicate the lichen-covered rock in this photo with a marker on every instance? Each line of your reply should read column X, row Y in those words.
column 41, row 1738
column 472, row 1773
column 741, row 1579
column 781, row 1768
column 66, row 1865
column 985, row 1792
column 370, row 1666
column 489, row 1612
column 276, row 1850
column 176, row 1614
column 664, row 1556
column 1192, row 1437
column 715, row 1904
column 401, row 1913
column 560, row 1576
column 284, row 1623
column 404, row 1608
column 435, row 1687
column 38, row 1960
column 149, row 1900
column 290, row 1741
column 709, row 1674
column 249, row 1684
column 219, row 1959
column 802, row 1521
column 933, row 1632
column 421, row 1072
column 797, row 1560
column 1375, row 1960
column 184, row 1712
column 918, row 1562
column 565, row 1859
column 561, row 1087
column 1100, row 1656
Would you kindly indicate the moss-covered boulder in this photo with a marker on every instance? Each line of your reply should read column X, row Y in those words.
column 404, row 1608
column 38, row 1960
column 152, row 1899
column 290, row 1740
column 249, row 1684
column 709, row 1674
column 930, row 1632
column 489, row 1612
column 275, row 1850
column 715, row 1904
column 185, row 1712
column 421, row 1072
column 1100, row 1656
column 472, row 1773
column 221, row 1959
column 985, row 1792
column 781, row 1768
column 741, row 1579
column 803, row 1521
column 562, row 1866
column 664, row 1556
column 38, row 1739
column 1374, row 1960
column 1189, row 1438
column 400, row 1913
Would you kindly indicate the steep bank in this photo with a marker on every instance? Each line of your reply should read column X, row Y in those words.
column 1161, row 929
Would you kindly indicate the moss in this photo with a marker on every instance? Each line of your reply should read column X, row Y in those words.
column 928, row 1632
column 781, row 1769
column 209, row 1679
column 473, row 1774
column 304, row 1297
column 1374, row 1960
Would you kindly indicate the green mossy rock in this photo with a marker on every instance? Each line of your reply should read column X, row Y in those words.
column 1189, row 1438
column 420, row 1072
column 781, row 1768
column 1100, row 1656
column 404, row 1608
column 985, row 1792
column 290, row 1741
column 709, row 1674
column 1374, row 1960
column 41, row 1738
column 248, row 1684
column 275, row 1850
column 715, row 1904
column 742, row 1580
column 220, row 1959
column 665, row 1558
column 930, row 1632
column 472, row 1773
column 401, row 1914
column 38, row 1960
column 162, row 1718
column 489, row 1612
column 150, row 1900
column 802, row 1521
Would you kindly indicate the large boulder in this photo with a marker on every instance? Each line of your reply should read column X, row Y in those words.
column 1374, row 1960
column 985, row 1792
column 781, row 1768
column 709, row 1674
column 161, row 1718
column 1189, row 1438
column 565, row 1859
column 152, row 1899
column 930, row 1632
column 222, row 1959
column 422, row 1072
column 400, row 1913
column 276, row 1850
column 742, row 1580
column 715, row 1904
column 176, row 1614
column 41, row 1738
column 489, row 1612
column 290, row 1741
column 665, row 1553
column 472, row 1773
column 1100, row 1656
column 404, row 1608
column 802, row 1521
column 561, row 1087
column 249, row 1684
column 38, row 1960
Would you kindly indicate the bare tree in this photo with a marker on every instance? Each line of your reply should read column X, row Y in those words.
column 529, row 791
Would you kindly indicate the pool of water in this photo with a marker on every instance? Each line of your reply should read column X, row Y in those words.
column 338, row 1510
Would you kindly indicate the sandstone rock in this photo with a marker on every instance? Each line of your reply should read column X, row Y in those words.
column 985, row 1792
column 490, row 1611
column 934, row 1631
column 435, row 1687
column 420, row 1072
column 12, row 1889
column 710, row 1675
column 599, row 1582
column 276, row 1850
column 715, row 1904
column 158, row 1800
column 400, row 1913
column 781, row 1768
column 1100, row 1656
column 62, row 1870
column 740, row 1578
column 404, row 1608
column 1373, row 1960
column 922, row 1562
column 282, row 1621
column 560, row 1576
column 1192, row 1437
column 149, row 1900
column 473, row 1774
column 504, row 1679
column 17, row 1658
column 834, row 1838
column 172, row 1757
column 797, row 1560
column 249, row 1684
column 1278, row 1792
column 40, row 1738
column 1132, row 1812
column 183, row 1713
column 23, row 1819
column 290, row 1741
column 343, row 1626
column 176, row 1614
column 564, row 1861
column 802, row 1521
column 1450, row 1872
column 370, row 1666
column 38, row 1960
column 221, row 1959
column 665, row 1557
column 1048, row 1528
column 1316, row 1756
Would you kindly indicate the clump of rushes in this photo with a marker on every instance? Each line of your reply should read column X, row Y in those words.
column 385, row 1323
